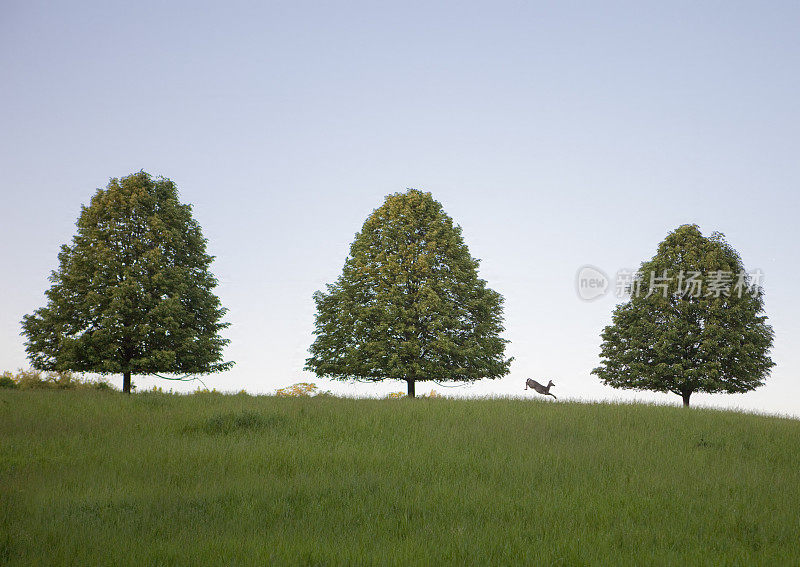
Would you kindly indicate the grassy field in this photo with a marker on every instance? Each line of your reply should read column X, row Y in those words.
column 90, row 478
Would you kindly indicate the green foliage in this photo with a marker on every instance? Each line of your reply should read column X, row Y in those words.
column 38, row 380
column 676, row 340
column 7, row 380
column 409, row 304
column 133, row 291
column 92, row 479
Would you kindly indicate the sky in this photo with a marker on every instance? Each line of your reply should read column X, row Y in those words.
column 556, row 134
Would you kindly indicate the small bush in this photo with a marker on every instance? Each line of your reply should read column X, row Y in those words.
column 38, row 380
column 398, row 395
column 7, row 381
column 301, row 389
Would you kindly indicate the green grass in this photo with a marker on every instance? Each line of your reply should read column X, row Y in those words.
column 90, row 478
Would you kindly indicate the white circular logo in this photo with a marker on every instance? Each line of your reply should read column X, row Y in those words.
column 591, row 283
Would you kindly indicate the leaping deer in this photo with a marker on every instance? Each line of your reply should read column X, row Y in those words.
column 529, row 383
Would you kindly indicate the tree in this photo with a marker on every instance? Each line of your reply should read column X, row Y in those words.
column 693, row 322
column 133, row 291
column 409, row 304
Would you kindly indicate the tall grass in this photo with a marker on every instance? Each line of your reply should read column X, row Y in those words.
column 92, row 478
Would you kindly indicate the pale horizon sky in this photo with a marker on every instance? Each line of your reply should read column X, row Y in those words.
column 556, row 134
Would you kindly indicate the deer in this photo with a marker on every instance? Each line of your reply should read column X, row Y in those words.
column 529, row 383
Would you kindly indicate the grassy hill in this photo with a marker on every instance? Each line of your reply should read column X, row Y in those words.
column 150, row 479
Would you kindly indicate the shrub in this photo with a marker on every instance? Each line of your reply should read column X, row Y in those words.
column 396, row 395
column 38, row 380
column 7, row 380
column 301, row 389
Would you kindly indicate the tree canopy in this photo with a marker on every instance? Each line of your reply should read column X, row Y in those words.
column 694, row 322
column 133, row 291
column 409, row 304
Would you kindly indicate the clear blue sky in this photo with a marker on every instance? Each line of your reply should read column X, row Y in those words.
column 555, row 134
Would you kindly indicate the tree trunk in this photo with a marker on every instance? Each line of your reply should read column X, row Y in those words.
column 126, row 381
column 410, row 388
column 686, row 399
